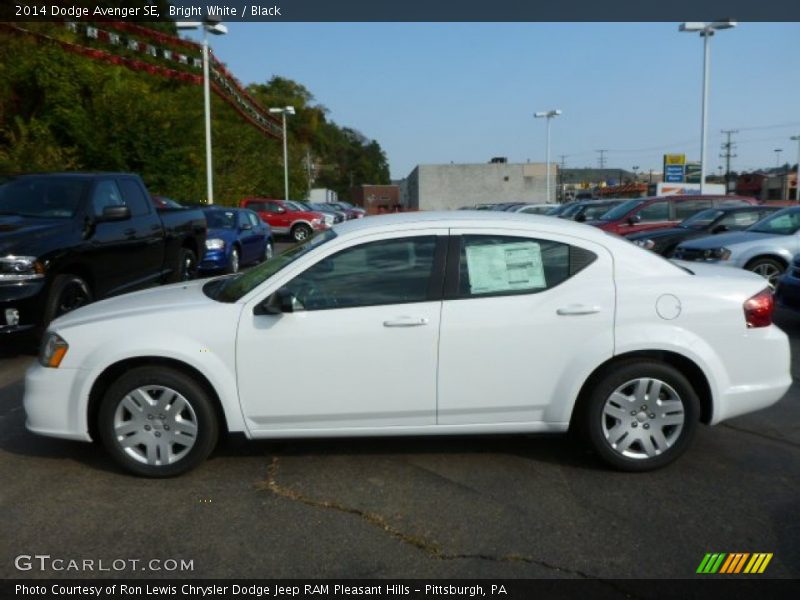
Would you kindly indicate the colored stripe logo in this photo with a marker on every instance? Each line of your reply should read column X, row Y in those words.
column 734, row 563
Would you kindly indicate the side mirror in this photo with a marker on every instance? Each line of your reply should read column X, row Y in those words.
column 246, row 226
column 278, row 303
column 634, row 219
column 581, row 218
column 720, row 229
column 281, row 210
column 115, row 213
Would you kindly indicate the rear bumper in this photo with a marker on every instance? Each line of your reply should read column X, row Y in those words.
column 759, row 379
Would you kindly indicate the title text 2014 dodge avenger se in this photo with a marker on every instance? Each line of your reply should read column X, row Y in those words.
column 459, row 322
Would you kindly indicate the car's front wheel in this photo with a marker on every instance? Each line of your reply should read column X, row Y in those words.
column 640, row 415
column 157, row 422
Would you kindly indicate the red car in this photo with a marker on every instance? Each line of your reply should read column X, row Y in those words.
column 286, row 219
column 659, row 212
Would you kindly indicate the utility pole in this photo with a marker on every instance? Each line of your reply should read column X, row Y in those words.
column 727, row 154
column 561, row 185
column 602, row 158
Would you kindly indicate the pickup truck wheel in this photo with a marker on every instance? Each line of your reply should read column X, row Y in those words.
column 640, row 416
column 187, row 265
column 301, row 232
column 233, row 262
column 268, row 250
column 157, row 422
column 67, row 293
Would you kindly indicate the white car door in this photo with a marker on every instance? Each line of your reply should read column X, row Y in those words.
column 359, row 349
column 524, row 318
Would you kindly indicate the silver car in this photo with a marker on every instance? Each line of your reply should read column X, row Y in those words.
column 766, row 247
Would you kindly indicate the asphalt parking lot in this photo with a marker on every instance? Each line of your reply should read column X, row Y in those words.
column 514, row 506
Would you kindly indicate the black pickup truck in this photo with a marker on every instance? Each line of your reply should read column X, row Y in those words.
column 67, row 239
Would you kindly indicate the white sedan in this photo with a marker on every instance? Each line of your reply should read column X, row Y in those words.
column 420, row 323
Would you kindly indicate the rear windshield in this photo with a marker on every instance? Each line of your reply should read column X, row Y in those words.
column 45, row 197
column 221, row 219
column 623, row 209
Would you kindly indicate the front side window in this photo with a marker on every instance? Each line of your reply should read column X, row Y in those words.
column 134, row 197
column 740, row 219
column 657, row 211
column 106, row 193
column 396, row 271
column 500, row 265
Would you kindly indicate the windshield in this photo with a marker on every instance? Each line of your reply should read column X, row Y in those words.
column 623, row 209
column 220, row 219
column 570, row 210
column 595, row 211
column 233, row 288
column 292, row 205
column 702, row 219
column 44, row 197
column 783, row 222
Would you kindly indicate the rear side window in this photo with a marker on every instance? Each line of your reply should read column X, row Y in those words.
column 501, row 265
column 134, row 197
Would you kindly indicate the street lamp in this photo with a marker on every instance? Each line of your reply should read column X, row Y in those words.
column 635, row 173
column 286, row 110
column 796, row 138
column 214, row 26
column 549, row 114
column 706, row 30
column 778, row 157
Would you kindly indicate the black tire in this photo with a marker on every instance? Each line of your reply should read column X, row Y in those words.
column 203, row 416
column 769, row 268
column 233, row 262
column 301, row 232
column 185, row 266
column 67, row 293
column 598, row 429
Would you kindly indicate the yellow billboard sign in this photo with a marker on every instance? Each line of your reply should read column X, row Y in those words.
column 674, row 159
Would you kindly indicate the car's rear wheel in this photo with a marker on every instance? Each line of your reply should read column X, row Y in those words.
column 157, row 422
column 769, row 268
column 301, row 232
column 640, row 415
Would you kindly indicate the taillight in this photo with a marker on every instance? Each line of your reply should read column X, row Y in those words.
column 758, row 309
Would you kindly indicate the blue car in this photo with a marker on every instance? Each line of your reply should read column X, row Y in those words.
column 236, row 237
column 787, row 292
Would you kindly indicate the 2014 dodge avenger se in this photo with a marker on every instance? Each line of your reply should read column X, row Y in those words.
column 460, row 323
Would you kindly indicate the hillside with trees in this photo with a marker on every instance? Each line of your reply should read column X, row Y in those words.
column 65, row 111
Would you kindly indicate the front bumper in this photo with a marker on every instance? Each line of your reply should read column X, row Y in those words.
column 28, row 298
column 53, row 405
column 214, row 260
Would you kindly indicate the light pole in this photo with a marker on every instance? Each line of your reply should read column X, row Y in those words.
column 549, row 115
column 778, row 157
column 214, row 26
column 706, row 31
column 635, row 173
column 796, row 138
column 283, row 111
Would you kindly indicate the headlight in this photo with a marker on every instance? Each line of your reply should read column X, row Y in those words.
column 646, row 244
column 717, row 254
column 215, row 244
column 316, row 221
column 329, row 219
column 54, row 348
column 20, row 268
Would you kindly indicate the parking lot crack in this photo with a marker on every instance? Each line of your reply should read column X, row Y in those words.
column 761, row 435
column 430, row 548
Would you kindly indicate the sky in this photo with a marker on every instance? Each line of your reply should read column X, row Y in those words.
column 433, row 93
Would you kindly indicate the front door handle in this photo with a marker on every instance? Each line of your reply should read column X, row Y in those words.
column 578, row 309
column 405, row 322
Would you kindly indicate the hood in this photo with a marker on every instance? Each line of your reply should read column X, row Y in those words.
column 28, row 235
column 229, row 235
column 730, row 239
column 178, row 297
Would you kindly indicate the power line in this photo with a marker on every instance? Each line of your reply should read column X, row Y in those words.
column 728, row 152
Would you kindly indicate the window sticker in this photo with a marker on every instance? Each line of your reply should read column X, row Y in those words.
column 505, row 267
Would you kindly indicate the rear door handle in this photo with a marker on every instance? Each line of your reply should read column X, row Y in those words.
column 405, row 322
column 578, row 309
